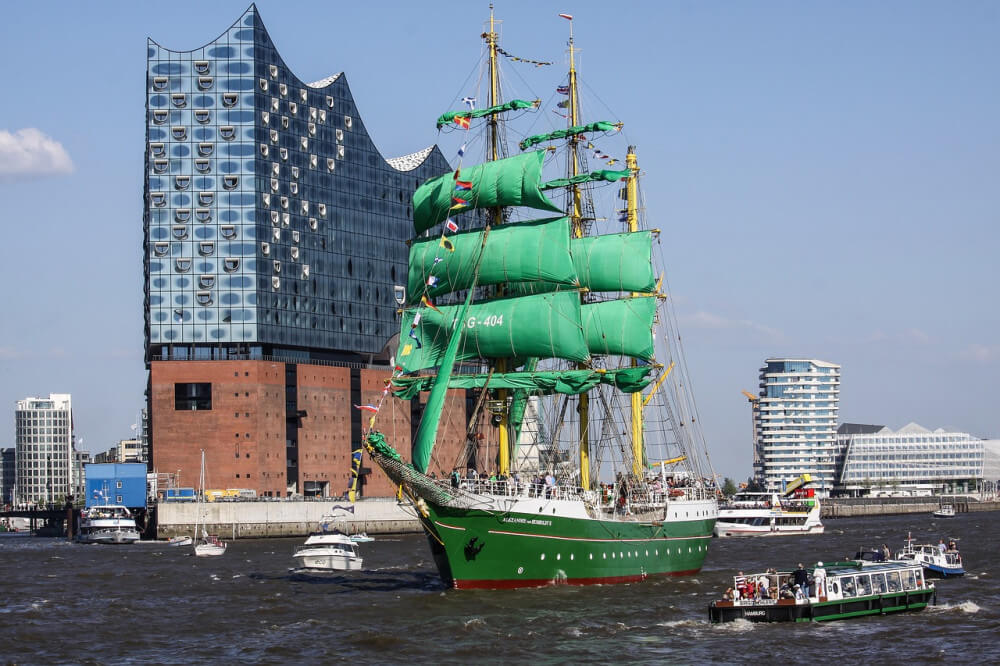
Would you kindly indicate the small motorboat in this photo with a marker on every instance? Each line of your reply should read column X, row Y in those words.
column 361, row 537
column 945, row 511
column 941, row 560
column 325, row 554
column 179, row 541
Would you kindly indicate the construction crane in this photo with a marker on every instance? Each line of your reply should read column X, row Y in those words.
column 752, row 399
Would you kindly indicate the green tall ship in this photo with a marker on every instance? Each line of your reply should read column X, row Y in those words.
column 553, row 325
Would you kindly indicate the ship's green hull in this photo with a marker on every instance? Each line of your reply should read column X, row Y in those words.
column 491, row 550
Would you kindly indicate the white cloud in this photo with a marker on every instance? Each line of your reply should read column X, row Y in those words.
column 981, row 353
column 29, row 152
column 704, row 319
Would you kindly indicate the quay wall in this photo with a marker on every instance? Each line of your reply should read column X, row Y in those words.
column 888, row 506
column 254, row 520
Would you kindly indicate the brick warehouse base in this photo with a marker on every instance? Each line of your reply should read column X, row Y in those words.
column 276, row 427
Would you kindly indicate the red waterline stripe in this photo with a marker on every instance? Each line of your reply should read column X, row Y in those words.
column 540, row 582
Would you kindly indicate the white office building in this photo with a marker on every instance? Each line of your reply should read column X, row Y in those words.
column 910, row 461
column 795, row 421
column 44, row 460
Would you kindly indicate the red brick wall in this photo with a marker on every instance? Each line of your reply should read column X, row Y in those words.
column 325, row 434
column 242, row 435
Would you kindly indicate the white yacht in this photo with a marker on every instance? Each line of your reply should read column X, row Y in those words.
column 795, row 511
column 108, row 524
column 327, row 553
column 945, row 511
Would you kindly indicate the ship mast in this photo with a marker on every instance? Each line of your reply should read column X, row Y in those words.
column 576, row 217
column 632, row 219
column 496, row 218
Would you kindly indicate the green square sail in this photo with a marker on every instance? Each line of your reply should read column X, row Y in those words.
column 546, row 326
column 622, row 327
column 512, row 181
column 523, row 252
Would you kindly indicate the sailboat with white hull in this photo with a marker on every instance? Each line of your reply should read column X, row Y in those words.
column 560, row 311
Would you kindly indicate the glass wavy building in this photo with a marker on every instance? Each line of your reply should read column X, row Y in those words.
column 795, row 420
column 274, row 251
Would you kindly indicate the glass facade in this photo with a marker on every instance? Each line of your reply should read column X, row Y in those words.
column 796, row 423
column 44, row 449
column 909, row 459
column 272, row 224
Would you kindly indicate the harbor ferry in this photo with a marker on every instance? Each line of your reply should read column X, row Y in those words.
column 795, row 511
column 108, row 524
column 840, row 591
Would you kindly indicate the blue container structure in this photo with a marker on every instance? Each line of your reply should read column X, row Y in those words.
column 116, row 483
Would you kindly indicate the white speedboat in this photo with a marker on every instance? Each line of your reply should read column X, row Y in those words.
column 108, row 524
column 945, row 511
column 327, row 553
column 361, row 537
column 180, row 541
column 796, row 511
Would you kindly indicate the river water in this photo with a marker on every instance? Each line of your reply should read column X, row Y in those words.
column 70, row 603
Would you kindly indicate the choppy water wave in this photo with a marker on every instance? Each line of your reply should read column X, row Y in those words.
column 245, row 608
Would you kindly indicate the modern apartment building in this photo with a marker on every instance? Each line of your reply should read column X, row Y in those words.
column 274, row 260
column 796, row 422
column 8, row 477
column 44, row 456
column 911, row 460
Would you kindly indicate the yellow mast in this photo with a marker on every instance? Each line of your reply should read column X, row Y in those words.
column 576, row 215
column 497, row 218
column 632, row 218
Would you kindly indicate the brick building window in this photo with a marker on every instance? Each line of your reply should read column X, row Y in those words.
column 193, row 396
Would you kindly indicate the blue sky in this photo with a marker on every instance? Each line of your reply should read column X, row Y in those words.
column 825, row 176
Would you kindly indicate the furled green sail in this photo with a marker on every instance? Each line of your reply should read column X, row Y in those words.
column 569, row 382
column 423, row 443
column 623, row 327
column 600, row 126
column 545, row 325
column 523, row 252
column 612, row 262
column 512, row 105
column 603, row 174
column 508, row 182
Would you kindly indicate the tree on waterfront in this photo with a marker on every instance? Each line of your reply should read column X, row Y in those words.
column 728, row 487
